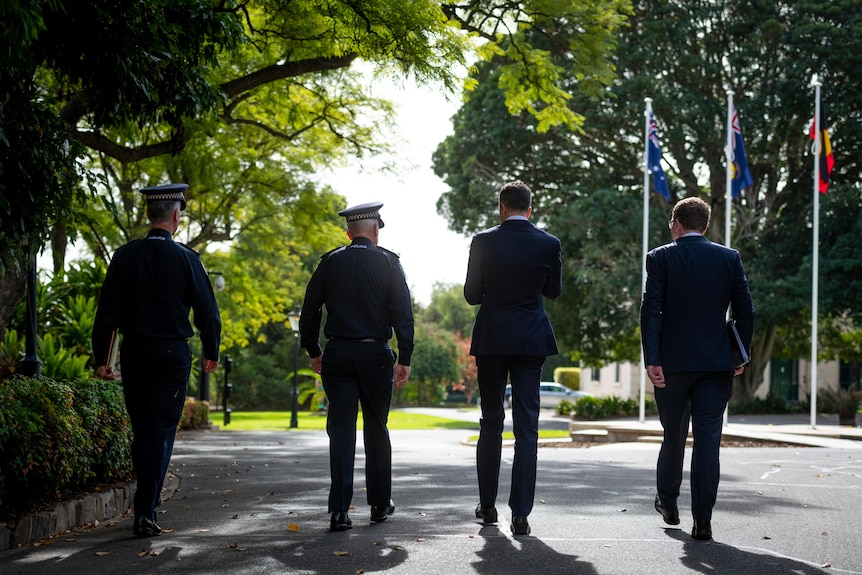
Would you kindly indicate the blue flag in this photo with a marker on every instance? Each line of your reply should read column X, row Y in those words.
column 740, row 175
column 654, row 161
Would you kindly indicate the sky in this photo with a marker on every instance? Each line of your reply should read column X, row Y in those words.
column 429, row 251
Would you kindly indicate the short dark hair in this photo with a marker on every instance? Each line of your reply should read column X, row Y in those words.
column 692, row 214
column 516, row 196
column 160, row 211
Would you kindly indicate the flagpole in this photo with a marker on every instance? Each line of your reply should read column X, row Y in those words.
column 728, row 153
column 816, row 251
column 645, row 248
column 728, row 192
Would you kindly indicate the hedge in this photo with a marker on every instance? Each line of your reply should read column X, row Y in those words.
column 605, row 407
column 59, row 436
column 568, row 376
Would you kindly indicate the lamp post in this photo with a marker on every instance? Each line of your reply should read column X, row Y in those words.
column 204, row 392
column 30, row 365
column 293, row 318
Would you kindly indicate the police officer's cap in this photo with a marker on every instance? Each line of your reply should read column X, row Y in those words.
column 369, row 211
column 167, row 192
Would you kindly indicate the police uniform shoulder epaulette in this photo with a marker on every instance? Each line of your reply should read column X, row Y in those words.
column 188, row 248
column 393, row 254
column 330, row 252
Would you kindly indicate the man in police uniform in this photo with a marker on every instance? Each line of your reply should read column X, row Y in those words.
column 150, row 287
column 366, row 296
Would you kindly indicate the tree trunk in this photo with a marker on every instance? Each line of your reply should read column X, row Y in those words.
column 59, row 242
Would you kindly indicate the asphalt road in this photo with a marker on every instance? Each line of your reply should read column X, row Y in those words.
column 256, row 503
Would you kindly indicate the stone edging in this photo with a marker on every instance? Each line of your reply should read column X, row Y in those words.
column 67, row 516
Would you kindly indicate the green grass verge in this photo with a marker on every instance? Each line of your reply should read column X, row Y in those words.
column 306, row 420
column 543, row 434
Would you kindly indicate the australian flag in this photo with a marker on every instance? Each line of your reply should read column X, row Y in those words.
column 654, row 161
column 740, row 175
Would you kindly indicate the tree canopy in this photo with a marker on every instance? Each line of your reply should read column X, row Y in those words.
column 99, row 100
column 686, row 55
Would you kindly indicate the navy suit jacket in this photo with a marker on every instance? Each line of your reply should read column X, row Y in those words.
column 690, row 284
column 511, row 267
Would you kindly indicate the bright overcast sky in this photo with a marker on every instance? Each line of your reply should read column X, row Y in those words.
column 429, row 251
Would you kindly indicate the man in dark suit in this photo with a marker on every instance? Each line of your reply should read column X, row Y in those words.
column 690, row 283
column 365, row 294
column 151, row 287
column 511, row 267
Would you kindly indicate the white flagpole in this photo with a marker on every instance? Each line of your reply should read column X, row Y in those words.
column 647, row 114
column 816, row 249
column 728, row 153
column 728, row 185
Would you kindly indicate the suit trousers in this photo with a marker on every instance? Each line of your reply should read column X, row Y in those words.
column 525, row 372
column 155, row 377
column 357, row 373
column 699, row 398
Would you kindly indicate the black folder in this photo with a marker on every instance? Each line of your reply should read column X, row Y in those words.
column 740, row 354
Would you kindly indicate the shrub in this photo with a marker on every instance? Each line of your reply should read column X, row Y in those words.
column 101, row 407
column 568, row 376
column 196, row 414
column 605, row 407
column 41, row 441
column 755, row 405
column 59, row 436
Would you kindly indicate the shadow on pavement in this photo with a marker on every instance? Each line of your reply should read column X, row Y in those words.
column 715, row 558
column 501, row 554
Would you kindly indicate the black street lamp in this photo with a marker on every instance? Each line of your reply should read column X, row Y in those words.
column 30, row 365
column 293, row 318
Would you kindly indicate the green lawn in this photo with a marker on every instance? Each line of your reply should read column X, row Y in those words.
column 306, row 420
column 543, row 434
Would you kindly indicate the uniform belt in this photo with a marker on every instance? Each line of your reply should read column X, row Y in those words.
column 359, row 339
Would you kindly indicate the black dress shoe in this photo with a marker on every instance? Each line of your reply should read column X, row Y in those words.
column 520, row 526
column 486, row 514
column 670, row 516
column 340, row 521
column 702, row 530
column 145, row 527
column 379, row 513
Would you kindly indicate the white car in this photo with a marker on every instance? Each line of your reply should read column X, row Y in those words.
column 551, row 394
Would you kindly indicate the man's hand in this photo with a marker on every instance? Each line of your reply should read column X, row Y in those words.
column 104, row 372
column 738, row 370
column 402, row 373
column 210, row 365
column 656, row 375
column 316, row 363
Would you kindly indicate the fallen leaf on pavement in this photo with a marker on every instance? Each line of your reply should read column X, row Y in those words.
column 340, row 553
column 293, row 527
column 101, row 553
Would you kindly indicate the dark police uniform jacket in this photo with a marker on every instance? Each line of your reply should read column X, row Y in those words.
column 149, row 290
column 365, row 294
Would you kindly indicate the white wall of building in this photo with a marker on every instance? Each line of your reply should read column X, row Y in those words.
column 623, row 380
